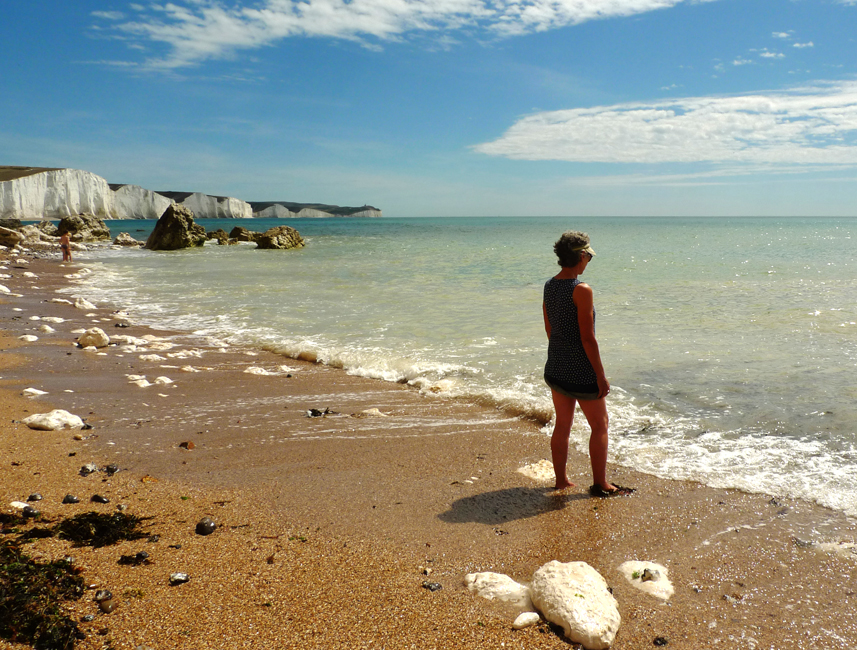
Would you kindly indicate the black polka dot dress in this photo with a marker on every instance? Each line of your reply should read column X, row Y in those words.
column 567, row 362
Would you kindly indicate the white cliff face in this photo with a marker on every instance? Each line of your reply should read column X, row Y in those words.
column 204, row 206
column 366, row 213
column 275, row 211
column 310, row 213
column 56, row 194
column 135, row 202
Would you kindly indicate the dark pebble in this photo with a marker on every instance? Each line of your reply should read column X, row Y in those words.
column 87, row 618
column 205, row 526
column 70, row 498
column 154, row 538
column 29, row 512
column 102, row 594
column 121, row 325
column 134, row 560
column 35, row 496
column 432, row 586
column 86, row 427
column 97, row 498
column 659, row 640
column 88, row 469
column 111, row 469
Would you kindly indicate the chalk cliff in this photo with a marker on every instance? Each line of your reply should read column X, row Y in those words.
column 54, row 194
column 34, row 193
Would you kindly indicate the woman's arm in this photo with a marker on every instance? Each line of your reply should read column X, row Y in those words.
column 582, row 297
column 547, row 322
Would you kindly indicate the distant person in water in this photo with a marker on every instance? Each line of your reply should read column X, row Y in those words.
column 65, row 245
column 573, row 370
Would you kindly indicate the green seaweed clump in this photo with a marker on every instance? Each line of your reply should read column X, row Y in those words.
column 97, row 529
column 31, row 597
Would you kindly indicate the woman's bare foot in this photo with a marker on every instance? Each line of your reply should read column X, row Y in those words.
column 561, row 485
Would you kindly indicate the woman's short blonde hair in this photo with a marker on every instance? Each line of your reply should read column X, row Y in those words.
column 569, row 246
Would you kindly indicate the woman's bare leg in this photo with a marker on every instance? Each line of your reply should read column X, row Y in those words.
column 564, row 407
column 595, row 411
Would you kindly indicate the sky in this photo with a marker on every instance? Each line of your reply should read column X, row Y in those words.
column 446, row 107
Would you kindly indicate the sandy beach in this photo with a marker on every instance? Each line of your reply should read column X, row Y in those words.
column 328, row 526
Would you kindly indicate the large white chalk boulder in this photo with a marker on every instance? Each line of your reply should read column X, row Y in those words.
column 649, row 577
column 94, row 337
column 498, row 586
column 56, row 419
column 575, row 596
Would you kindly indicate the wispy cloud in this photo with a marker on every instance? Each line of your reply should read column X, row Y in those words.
column 197, row 30
column 109, row 15
column 809, row 44
column 808, row 125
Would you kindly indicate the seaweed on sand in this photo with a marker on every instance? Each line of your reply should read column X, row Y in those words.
column 97, row 529
column 31, row 597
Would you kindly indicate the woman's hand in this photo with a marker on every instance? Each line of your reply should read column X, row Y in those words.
column 603, row 386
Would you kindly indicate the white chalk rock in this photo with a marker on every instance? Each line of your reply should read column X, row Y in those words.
column 254, row 370
column 152, row 357
column 94, row 337
column 135, row 377
column 35, row 318
column 18, row 505
column 190, row 369
column 163, row 381
column 29, row 338
column 541, row 471
column 56, row 419
column 47, row 329
column 90, row 348
column 142, row 383
column 79, row 330
column 33, row 392
column 525, row 619
column 574, row 596
column 60, row 301
column 5, row 289
column 29, row 274
column 53, row 319
column 498, row 586
column 375, row 413
column 649, row 577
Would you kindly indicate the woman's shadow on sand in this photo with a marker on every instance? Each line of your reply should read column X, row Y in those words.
column 501, row 506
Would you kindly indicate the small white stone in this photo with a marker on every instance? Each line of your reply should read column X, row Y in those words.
column 17, row 309
column 95, row 337
column 33, row 392
column 152, row 357
column 29, row 338
column 35, row 318
column 79, row 330
column 498, row 586
column 56, row 419
column 18, row 505
column 526, row 619
column 47, row 329
column 60, row 301
column 29, row 274
column 135, row 377
column 53, row 319
column 90, row 348
column 163, row 380
column 661, row 587
column 83, row 303
column 190, row 369
column 373, row 413
column 5, row 289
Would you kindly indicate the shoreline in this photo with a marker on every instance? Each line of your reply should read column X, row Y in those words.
column 435, row 484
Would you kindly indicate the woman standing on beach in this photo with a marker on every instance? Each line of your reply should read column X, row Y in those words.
column 65, row 246
column 573, row 369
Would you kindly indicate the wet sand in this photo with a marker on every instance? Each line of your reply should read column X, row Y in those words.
column 326, row 525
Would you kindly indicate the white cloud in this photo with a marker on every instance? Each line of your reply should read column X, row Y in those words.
column 741, row 61
column 771, row 55
column 783, row 34
column 196, row 30
column 809, row 44
column 109, row 15
column 816, row 125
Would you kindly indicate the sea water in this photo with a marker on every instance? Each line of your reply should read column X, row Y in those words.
column 731, row 344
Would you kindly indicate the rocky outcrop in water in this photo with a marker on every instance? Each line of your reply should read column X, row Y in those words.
column 280, row 238
column 83, row 228
column 176, row 230
column 239, row 233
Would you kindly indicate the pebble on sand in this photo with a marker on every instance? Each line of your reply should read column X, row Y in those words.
column 56, row 419
column 28, row 338
column 33, row 392
column 649, row 577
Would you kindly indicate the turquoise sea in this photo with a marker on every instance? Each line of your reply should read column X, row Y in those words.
column 731, row 344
